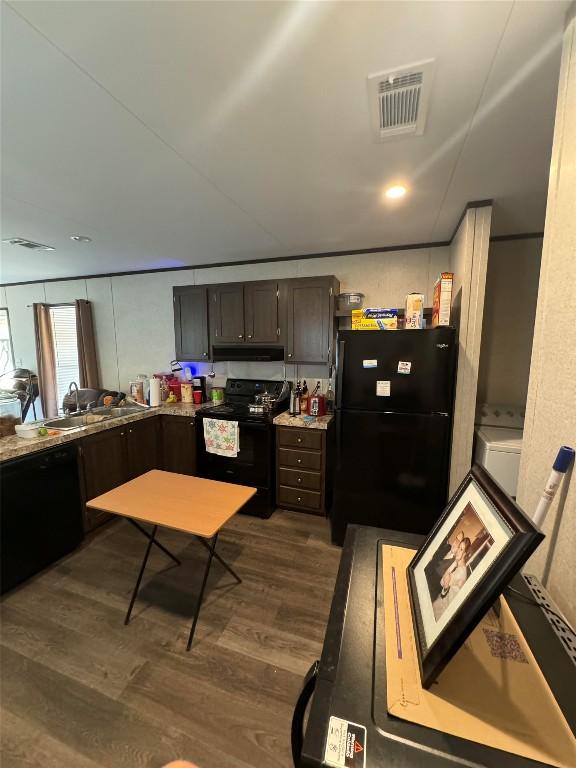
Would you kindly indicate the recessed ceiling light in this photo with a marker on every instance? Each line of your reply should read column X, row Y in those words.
column 81, row 238
column 393, row 193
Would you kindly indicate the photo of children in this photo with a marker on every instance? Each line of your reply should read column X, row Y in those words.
column 456, row 558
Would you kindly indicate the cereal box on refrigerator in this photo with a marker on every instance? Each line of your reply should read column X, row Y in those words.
column 442, row 299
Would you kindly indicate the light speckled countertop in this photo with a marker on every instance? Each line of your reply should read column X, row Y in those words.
column 285, row 420
column 12, row 447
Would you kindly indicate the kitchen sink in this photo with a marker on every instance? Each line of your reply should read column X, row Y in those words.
column 73, row 422
column 116, row 411
column 95, row 416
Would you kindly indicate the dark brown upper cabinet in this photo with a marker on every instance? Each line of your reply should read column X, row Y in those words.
column 227, row 314
column 310, row 330
column 261, row 312
column 244, row 313
column 191, row 322
column 296, row 315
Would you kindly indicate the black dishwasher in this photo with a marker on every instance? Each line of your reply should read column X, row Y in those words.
column 41, row 512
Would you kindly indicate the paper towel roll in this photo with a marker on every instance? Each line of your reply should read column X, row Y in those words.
column 154, row 391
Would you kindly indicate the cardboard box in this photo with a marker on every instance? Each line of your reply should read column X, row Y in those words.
column 442, row 300
column 374, row 319
column 414, row 317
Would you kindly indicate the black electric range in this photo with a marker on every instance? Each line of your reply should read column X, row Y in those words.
column 255, row 463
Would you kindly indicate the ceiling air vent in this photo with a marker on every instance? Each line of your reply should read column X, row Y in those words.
column 28, row 244
column 399, row 100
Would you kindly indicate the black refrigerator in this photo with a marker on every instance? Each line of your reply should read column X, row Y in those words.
column 394, row 401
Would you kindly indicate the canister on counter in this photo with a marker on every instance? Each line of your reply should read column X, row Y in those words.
column 137, row 391
column 217, row 395
column 175, row 388
column 317, row 405
column 186, row 390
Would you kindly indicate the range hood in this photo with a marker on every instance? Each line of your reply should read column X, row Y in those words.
column 248, row 353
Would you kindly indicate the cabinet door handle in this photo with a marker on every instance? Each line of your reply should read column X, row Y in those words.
column 240, row 336
column 298, row 461
column 299, row 499
column 249, row 335
column 121, row 434
column 299, row 440
column 299, row 480
column 289, row 354
column 204, row 354
column 130, row 431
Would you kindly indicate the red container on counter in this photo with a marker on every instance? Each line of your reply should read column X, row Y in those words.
column 174, row 387
column 317, row 405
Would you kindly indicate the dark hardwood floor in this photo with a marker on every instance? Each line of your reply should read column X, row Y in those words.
column 80, row 689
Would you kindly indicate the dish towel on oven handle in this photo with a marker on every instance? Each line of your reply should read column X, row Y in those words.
column 221, row 437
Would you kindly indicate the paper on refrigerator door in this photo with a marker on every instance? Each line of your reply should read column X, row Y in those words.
column 383, row 388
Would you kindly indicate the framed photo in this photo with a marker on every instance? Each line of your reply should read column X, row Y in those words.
column 479, row 543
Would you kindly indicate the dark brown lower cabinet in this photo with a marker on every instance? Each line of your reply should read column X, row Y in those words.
column 301, row 476
column 115, row 456
column 104, row 466
column 143, row 446
column 179, row 444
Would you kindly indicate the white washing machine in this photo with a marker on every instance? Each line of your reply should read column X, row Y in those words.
column 499, row 431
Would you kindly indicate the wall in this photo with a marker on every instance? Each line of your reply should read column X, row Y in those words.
column 468, row 261
column 508, row 326
column 134, row 316
column 551, row 406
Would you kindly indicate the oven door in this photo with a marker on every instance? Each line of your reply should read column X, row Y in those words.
column 253, row 465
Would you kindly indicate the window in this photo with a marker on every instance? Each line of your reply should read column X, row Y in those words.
column 63, row 317
column 6, row 354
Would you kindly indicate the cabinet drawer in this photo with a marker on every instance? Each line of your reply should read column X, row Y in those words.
column 297, row 479
column 301, row 438
column 295, row 497
column 299, row 459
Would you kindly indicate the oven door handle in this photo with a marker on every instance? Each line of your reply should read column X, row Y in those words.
column 245, row 424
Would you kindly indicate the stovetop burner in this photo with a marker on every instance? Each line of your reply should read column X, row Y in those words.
column 234, row 412
column 219, row 410
column 240, row 397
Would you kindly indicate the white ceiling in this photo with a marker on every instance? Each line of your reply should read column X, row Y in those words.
column 182, row 133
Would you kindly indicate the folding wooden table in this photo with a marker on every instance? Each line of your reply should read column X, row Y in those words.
column 189, row 504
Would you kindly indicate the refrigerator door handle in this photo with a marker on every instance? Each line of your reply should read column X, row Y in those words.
column 339, row 372
column 300, row 711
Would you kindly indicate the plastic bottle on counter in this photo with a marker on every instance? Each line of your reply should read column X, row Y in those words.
column 143, row 377
column 296, row 404
column 304, row 397
column 330, row 398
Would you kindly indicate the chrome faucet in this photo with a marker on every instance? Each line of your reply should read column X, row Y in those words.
column 73, row 384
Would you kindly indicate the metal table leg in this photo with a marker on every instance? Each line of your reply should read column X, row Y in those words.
column 154, row 541
column 211, row 548
column 142, row 567
column 220, row 560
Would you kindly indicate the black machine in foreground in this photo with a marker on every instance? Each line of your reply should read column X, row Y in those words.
column 349, row 681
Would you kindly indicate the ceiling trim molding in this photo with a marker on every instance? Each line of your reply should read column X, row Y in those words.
column 520, row 236
column 302, row 257
column 469, row 206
